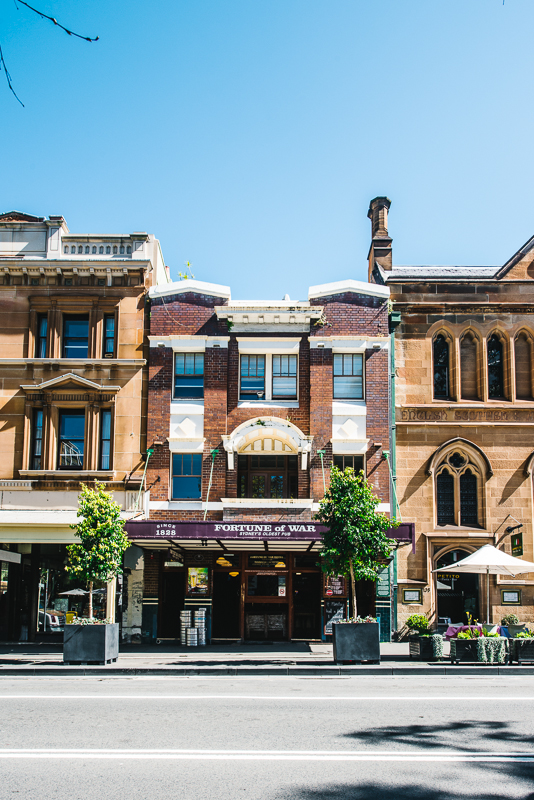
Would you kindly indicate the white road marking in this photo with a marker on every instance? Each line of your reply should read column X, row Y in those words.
column 359, row 698
column 266, row 755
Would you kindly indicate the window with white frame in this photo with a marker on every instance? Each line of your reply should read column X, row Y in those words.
column 189, row 376
column 348, row 376
column 284, row 377
column 252, row 378
column 269, row 376
column 186, row 476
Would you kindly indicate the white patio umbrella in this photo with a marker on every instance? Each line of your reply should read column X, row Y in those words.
column 490, row 561
column 75, row 592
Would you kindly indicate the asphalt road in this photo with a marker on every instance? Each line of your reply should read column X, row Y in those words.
column 270, row 738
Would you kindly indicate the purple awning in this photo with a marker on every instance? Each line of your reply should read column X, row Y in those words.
column 243, row 531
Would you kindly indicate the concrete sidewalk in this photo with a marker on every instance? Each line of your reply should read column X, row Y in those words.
column 22, row 659
column 171, row 653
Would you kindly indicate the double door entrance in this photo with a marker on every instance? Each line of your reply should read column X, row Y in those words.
column 252, row 597
column 273, row 598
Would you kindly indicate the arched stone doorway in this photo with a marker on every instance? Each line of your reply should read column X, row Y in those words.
column 457, row 593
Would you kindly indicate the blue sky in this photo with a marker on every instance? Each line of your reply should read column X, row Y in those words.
column 250, row 135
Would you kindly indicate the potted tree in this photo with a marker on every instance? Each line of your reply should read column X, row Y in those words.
column 424, row 645
column 354, row 544
column 96, row 557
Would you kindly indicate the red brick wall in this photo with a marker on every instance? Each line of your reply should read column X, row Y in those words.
column 192, row 314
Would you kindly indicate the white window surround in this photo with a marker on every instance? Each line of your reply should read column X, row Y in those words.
column 349, row 408
column 263, row 345
column 189, row 344
column 268, row 347
column 248, row 502
column 186, row 445
column 349, row 447
column 349, row 344
column 263, row 403
column 268, row 383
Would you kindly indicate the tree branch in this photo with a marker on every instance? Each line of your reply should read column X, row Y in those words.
column 59, row 25
column 8, row 76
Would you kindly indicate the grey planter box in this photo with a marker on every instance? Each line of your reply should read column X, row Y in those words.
column 426, row 648
column 522, row 650
column 480, row 651
column 85, row 644
column 356, row 641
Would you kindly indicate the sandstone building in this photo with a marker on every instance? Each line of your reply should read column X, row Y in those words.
column 73, row 380
column 464, row 420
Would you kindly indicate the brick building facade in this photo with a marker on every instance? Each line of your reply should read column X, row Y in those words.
column 464, row 417
column 249, row 404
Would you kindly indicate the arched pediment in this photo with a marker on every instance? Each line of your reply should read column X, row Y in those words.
column 458, row 442
column 267, row 434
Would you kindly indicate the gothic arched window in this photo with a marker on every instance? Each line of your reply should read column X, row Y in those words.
column 495, row 367
column 441, row 366
column 457, row 491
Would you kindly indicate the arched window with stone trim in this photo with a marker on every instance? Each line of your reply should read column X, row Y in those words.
column 460, row 471
column 495, row 367
column 468, row 368
column 441, row 367
column 523, row 366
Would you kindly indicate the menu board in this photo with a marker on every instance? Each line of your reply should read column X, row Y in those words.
column 197, row 581
column 335, row 586
column 334, row 611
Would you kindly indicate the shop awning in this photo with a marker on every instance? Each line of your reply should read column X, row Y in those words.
column 257, row 535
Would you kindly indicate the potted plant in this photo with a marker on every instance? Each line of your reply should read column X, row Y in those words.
column 522, row 646
column 511, row 621
column 96, row 557
column 481, row 647
column 424, row 645
column 355, row 543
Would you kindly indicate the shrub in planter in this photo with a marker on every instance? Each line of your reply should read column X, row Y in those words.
column 522, row 647
column 418, row 623
column 88, row 641
column 97, row 557
column 427, row 648
column 357, row 640
column 511, row 621
column 480, row 649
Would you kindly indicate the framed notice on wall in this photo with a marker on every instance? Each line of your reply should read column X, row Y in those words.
column 510, row 597
column 198, row 581
column 334, row 586
column 412, row 596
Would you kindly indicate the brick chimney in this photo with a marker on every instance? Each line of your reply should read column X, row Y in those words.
column 380, row 251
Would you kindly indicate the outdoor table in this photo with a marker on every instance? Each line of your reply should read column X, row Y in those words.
column 453, row 630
